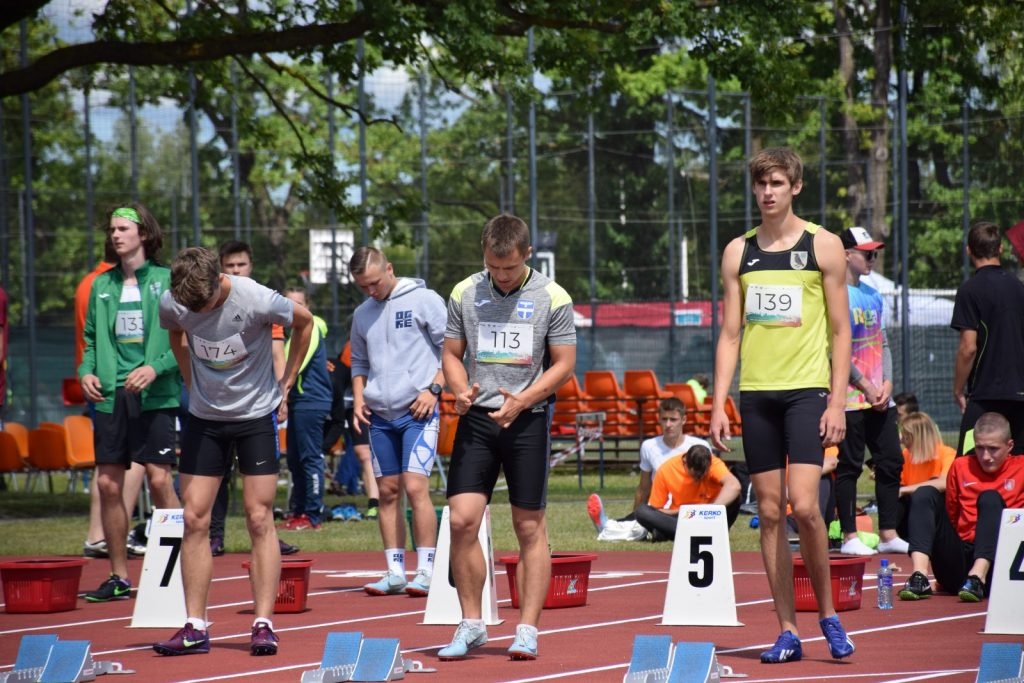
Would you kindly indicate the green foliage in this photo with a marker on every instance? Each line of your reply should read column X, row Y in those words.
column 613, row 59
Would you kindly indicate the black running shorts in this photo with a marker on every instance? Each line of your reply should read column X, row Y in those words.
column 782, row 424
column 207, row 446
column 482, row 449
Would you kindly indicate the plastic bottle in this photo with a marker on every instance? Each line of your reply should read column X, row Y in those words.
column 885, row 586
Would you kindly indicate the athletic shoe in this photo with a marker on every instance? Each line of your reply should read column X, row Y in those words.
column 917, row 587
column 389, row 584
column 114, row 588
column 787, row 648
column 855, row 546
column 216, row 545
column 372, row 513
column 301, row 523
column 897, row 546
column 973, row 590
column 420, row 584
column 263, row 642
column 97, row 549
column 524, row 647
column 287, row 548
column 187, row 641
column 595, row 508
column 467, row 637
column 346, row 513
column 139, row 532
column 839, row 644
column 133, row 545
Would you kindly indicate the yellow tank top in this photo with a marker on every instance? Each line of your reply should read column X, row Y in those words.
column 786, row 332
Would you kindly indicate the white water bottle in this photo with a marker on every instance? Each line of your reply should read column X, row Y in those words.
column 885, row 586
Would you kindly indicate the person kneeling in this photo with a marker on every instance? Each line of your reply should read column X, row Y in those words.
column 695, row 478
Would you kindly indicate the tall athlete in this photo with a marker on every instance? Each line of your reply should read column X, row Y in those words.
column 785, row 290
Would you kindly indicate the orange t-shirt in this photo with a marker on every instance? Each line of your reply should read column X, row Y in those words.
column 674, row 485
column 923, row 471
column 82, row 293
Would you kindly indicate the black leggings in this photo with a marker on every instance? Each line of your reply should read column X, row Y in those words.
column 933, row 534
column 663, row 526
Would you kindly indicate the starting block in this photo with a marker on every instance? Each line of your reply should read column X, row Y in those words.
column 47, row 659
column 380, row 659
column 651, row 660
column 1001, row 663
column 341, row 651
column 350, row 657
column 656, row 660
column 694, row 663
column 443, row 600
column 33, row 651
column 1006, row 594
column 700, row 589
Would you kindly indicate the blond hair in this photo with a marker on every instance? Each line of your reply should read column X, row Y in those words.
column 921, row 436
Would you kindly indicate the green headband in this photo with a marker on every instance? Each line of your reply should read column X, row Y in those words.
column 127, row 212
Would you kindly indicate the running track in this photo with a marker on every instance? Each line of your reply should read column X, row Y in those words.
column 936, row 639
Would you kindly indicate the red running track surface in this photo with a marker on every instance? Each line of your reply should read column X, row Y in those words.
column 935, row 639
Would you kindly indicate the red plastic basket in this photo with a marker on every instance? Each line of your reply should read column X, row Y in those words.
column 570, row 577
column 293, row 588
column 847, row 580
column 41, row 586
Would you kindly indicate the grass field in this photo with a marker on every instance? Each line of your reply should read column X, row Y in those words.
column 38, row 523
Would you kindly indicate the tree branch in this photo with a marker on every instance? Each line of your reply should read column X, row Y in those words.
column 52, row 65
column 13, row 12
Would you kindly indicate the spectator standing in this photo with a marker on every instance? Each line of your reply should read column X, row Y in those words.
column 957, row 532
column 129, row 372
column 510, row 342
column 989, row 314
column 133, row 476
column 784, row 290
column 397, row 335
column 870, row 410
column 235, row 405
column 309, row 403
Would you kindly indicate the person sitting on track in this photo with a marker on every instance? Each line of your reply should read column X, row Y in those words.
column 958, row 532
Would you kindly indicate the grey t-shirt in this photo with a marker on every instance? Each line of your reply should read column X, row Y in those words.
column 230, row 351
column 507, row 337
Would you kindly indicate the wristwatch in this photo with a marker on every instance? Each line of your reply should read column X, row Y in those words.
column 436, row 389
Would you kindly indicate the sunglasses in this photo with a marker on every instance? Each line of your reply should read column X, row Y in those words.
column 870, row 255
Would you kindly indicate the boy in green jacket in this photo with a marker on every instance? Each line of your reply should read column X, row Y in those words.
column 129, row 372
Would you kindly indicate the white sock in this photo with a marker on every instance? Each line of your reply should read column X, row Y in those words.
column 475, row 623
column 266, row 621
column 198, row 624
column 425, row 559
column 395, row 557
column 532, row 630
